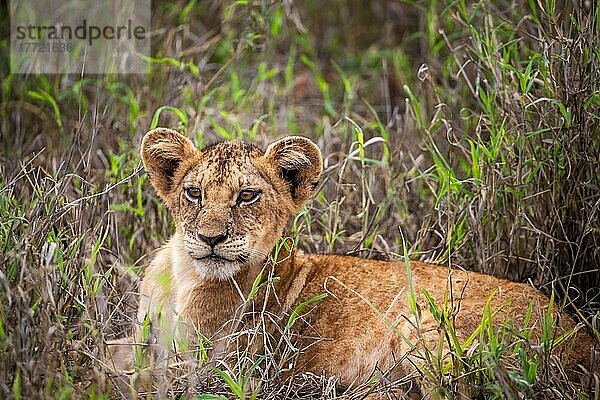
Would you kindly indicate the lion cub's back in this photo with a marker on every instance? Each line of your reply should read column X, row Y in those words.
column 366, row 312
column 367, row 289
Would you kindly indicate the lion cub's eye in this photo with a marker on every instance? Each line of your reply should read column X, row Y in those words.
column 248, row 196
column 193, row 194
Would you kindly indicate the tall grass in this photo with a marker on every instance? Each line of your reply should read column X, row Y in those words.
column 454, row 132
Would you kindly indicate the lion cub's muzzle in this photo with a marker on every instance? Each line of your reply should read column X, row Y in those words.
column 212, row 241
column 224, row 246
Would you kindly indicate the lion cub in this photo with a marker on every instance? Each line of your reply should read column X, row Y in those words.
column 231, row 202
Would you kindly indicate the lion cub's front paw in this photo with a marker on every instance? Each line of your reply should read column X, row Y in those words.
column 120, row 354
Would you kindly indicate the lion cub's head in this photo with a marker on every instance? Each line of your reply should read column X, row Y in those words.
column 230, row 201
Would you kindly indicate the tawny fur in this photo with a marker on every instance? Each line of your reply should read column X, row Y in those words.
column 357, row 340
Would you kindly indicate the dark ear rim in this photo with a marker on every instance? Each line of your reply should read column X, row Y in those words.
column 162, row 151
column 300, row 163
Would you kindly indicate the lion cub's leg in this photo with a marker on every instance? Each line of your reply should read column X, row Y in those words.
column 136, row 364
column 120, row 354
column 120, row 364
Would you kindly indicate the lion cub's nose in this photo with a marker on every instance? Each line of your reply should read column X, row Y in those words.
column 212, row 241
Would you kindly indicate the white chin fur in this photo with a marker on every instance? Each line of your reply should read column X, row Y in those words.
column 207, row 268
column 216, row 268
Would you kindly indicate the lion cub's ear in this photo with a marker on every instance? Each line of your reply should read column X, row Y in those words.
column 298, row 161
column 162, row 151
